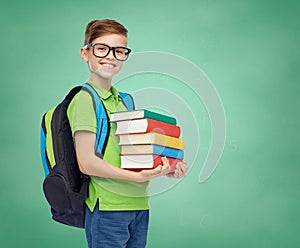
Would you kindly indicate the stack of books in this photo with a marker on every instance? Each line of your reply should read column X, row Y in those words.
column 146, row 137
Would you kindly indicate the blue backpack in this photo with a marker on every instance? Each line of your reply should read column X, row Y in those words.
column 64, row 186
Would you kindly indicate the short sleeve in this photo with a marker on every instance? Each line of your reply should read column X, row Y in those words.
column 81, row 113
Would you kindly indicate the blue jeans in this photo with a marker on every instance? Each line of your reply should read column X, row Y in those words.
column 116, row 229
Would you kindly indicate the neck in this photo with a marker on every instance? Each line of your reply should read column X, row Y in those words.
column 102, row 82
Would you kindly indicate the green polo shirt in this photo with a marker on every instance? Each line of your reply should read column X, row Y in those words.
column 112, row 194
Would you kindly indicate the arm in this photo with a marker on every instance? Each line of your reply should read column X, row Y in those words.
column 92, row 165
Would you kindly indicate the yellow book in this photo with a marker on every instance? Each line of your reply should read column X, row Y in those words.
column 152, row 138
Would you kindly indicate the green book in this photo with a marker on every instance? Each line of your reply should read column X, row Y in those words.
column 141, row 113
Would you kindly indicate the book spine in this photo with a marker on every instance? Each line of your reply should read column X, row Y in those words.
column 163, row 128
column 152, row 138
column 152, row 149
column 156, row 162
column 159, row 117
column 168, row 152
column 168, row 141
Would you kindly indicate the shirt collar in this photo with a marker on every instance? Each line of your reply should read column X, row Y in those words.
column 105, row 94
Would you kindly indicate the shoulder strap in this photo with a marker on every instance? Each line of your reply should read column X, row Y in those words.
column 103, row 127
column 127, row 100
column 72, row 93
column 45, row 160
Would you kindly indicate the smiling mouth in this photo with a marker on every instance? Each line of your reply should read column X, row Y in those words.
column 108, row 65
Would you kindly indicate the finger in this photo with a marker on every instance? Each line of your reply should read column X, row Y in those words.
column 180, row 169
column 182, row 166
column 153, row 173
column 184, row 169
column 158, row 170
column 177, row 173
column 166, row 169
column 171, row 175
column 165, row 161
column 180, row 173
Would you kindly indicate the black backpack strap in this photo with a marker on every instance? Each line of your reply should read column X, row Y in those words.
column 72, row 93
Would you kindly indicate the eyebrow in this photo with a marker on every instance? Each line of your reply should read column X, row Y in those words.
column 109, row 45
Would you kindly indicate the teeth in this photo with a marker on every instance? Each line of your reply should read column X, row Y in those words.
column 108, row 65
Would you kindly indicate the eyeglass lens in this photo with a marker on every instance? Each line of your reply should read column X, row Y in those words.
column 102, row 50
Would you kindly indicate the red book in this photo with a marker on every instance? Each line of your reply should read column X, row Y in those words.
column 145, row 161
column 146, row 126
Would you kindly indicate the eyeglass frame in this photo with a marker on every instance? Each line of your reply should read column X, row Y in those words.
column 87, row 46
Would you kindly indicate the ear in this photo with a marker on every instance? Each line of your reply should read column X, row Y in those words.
column 84, row 55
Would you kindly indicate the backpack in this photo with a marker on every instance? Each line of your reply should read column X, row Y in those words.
column 64, row 186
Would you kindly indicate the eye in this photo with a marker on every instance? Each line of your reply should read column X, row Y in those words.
column 101, row 48
column 120, row 51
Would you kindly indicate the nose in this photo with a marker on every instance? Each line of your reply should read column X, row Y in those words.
column 110, row 55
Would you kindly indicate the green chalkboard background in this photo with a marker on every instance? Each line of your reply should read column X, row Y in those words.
column 250, row 52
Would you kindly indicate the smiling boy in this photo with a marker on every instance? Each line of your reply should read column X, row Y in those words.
column 117, row 212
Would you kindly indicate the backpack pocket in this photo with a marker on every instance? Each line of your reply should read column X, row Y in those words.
column 57, row 193
column 67, row 206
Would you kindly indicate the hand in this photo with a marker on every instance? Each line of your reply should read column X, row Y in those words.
column 160, row 170
column 180, row 171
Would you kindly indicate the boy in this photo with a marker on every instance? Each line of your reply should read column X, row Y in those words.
column 117, row 212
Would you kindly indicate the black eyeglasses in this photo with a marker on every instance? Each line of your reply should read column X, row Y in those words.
column 101, row 50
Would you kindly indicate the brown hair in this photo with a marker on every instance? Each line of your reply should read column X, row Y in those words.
column 97, row 28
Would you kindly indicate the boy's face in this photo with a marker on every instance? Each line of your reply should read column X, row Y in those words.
column 104, row 68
